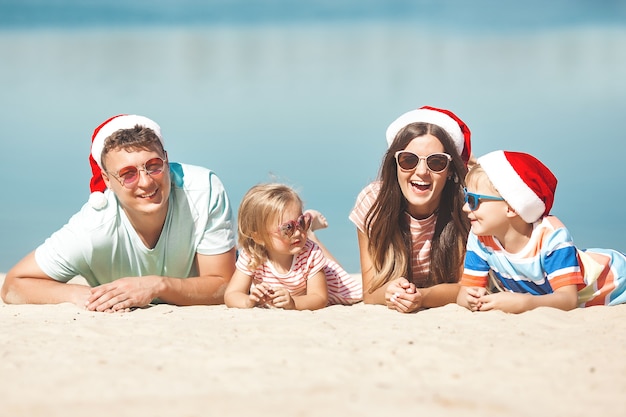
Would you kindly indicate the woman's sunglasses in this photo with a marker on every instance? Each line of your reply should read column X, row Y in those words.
column 289, row 228
column 473, row 200
column 436, row 162
column 129, row 175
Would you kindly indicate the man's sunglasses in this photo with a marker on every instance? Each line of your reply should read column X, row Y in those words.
column 473, row 200
column 289, row 228
column 436, row 162
column 129, row 175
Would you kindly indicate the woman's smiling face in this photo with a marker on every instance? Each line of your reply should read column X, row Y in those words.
column 421, row 187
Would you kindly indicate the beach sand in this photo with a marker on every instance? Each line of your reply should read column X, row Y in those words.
column 60, row 360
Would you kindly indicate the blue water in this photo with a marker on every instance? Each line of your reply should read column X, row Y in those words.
column 483, row 14
column 302, row 92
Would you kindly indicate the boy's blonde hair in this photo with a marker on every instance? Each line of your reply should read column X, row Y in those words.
column 477, row 176
column 262, row 204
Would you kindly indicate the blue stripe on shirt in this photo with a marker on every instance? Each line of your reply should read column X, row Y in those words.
column 525, row 286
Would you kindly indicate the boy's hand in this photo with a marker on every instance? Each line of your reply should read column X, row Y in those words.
column 470, row 297
column 509, row 302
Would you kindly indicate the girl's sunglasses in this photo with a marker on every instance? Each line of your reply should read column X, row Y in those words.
column 436, row 162
column 289, row 228
column 473, row 200
column 129, row 175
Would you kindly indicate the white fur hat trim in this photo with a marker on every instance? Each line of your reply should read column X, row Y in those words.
column 512, row 187
column 428, row 116
column 121, row 122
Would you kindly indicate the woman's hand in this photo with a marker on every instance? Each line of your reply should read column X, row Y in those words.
column 402, row 295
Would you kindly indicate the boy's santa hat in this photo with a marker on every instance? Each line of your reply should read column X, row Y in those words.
column 448, row 121
column 526, row 184
column 122, row 121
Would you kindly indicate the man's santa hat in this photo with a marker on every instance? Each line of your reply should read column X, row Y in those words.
column 122, row 121
column 527, row 185
column 448, row 121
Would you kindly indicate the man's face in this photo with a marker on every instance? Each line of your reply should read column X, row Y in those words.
column 146, row 192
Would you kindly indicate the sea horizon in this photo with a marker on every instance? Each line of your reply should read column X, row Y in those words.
column 304, row 97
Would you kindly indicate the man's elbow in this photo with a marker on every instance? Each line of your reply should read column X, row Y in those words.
column 9, row 292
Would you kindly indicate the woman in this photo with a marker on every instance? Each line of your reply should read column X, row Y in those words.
column 411, row 228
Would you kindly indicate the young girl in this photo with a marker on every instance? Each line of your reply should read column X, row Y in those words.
column 528, row 253
column 279, row 263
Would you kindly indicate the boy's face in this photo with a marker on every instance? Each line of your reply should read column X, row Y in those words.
column 489, row 218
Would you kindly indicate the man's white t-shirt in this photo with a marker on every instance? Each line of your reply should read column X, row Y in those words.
column 102, row 246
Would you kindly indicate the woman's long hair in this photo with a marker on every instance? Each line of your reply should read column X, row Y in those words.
column 389, row 230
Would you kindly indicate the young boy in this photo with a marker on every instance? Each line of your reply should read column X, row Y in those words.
column 529, row 254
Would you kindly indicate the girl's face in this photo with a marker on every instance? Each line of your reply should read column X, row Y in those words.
column 490, row 217
column 291, row 222
column 420, row 186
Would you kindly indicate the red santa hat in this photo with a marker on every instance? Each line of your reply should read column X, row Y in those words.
column 100, row 134
column 448, row 121
column 526, row 184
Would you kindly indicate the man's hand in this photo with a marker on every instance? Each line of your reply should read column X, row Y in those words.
column 124, row 293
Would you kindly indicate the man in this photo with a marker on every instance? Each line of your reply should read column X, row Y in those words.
column 153, row 231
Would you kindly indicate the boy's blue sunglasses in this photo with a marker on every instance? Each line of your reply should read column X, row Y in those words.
column 473, row 199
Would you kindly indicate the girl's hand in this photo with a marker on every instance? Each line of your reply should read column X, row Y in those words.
column 261, row 295
column 402, row 295
column 282, row 299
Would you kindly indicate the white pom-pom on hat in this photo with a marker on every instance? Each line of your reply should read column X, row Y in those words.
column 97, row 200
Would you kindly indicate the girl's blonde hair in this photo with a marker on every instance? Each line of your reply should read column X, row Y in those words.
column 260, row 205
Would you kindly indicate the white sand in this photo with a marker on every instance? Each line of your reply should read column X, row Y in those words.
column 60, row 360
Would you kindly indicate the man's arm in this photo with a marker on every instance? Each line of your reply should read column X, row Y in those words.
column 26, row 283
column 215, row 271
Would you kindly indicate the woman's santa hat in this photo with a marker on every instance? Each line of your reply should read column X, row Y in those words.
column 122, row 121
column 527, row 185
column 448, row 121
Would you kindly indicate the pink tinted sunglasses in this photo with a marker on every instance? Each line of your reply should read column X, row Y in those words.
column 129, row 175
column 289, row 228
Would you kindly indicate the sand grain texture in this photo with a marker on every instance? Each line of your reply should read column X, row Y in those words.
column 60, row 360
